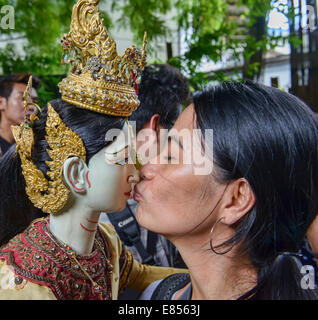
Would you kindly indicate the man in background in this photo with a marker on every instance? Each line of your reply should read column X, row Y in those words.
column 12, row 87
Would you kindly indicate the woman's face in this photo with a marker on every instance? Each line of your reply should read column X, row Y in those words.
column 110, row 177
column 173, row 200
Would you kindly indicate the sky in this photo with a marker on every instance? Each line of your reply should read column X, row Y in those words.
column 276, row 19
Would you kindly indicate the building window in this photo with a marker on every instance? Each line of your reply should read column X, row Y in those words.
column 275, row 82
column 169, row 50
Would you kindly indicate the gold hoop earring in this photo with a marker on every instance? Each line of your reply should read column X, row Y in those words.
column 211, row 232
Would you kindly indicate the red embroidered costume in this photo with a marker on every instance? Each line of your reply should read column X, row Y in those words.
column 35, row 265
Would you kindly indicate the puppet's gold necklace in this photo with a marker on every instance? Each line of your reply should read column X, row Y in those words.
column 97, row 288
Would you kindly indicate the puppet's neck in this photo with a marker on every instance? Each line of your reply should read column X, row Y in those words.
column 76, row 227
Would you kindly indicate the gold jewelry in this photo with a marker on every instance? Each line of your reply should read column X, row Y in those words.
column 96, row 286
column 29, row 114
column 49, row 196
column 99, row 79
column 23, row 134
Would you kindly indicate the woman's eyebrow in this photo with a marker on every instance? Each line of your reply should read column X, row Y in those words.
column 177, row 140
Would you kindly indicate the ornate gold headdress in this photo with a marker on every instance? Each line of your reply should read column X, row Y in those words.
column 48, row 195
column 99, row 79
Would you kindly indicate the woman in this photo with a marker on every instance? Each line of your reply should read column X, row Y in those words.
column 238, row 227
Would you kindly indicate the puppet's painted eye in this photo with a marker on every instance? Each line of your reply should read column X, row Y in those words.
column 123, row 162
column 119, row 157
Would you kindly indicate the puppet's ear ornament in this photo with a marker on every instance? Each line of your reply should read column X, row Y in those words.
column 48, row 195
column 30, row 108
column 23, row 134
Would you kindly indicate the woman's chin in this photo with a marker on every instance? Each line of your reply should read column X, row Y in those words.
column 139, row 214
column 141, row 217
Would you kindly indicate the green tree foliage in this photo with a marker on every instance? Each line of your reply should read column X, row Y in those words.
column 140, row 16
column 210, row 29
column 236, row 29
column 42, row 23
column 210, row 33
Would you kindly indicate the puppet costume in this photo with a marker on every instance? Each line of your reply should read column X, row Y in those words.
column 35, row 265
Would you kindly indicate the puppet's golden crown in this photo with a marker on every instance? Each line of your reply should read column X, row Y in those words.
column 99, row 79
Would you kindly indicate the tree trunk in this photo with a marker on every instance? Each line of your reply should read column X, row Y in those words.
column 258, row 31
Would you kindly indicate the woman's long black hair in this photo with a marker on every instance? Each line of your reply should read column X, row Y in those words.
column 16, row 210
column 270, row 138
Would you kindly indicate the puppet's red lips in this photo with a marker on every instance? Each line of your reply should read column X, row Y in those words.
column 127, row 193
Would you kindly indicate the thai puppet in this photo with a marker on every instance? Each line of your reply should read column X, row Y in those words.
column 67, row 165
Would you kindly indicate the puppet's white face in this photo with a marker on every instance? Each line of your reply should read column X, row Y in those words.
column 110, row 177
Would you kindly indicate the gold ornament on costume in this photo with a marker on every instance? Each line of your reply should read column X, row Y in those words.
column 99, row 79
column 23, row 133
column 48, row 195
column 30, row 108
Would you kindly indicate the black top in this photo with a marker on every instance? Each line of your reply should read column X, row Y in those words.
column 4, row 146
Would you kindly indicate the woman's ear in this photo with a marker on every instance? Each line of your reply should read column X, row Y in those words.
column 74, row 172
column 238, row 201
